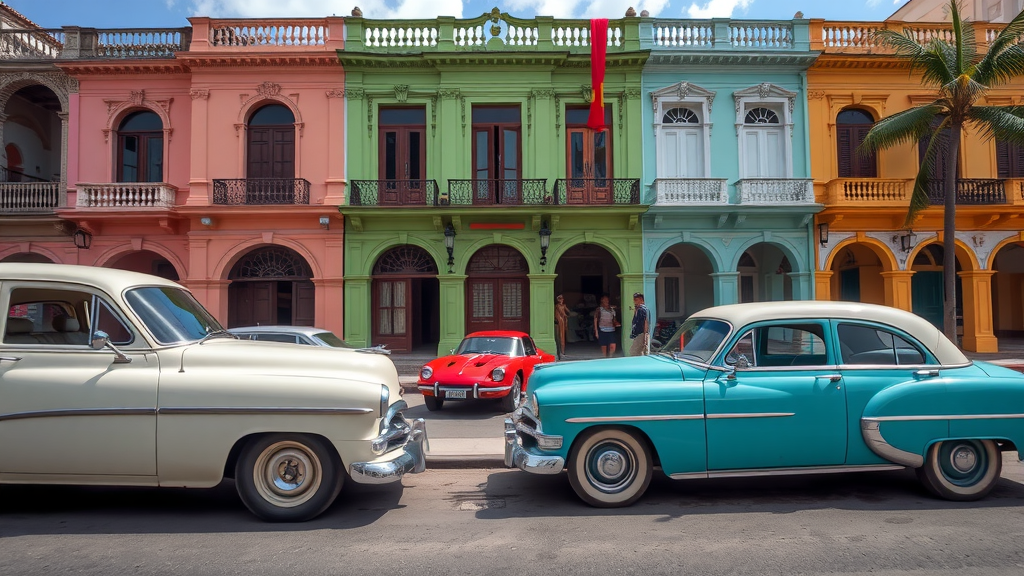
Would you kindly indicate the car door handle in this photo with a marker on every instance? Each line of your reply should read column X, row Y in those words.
column 9, row 358
column 926, row 373
column 831, row 377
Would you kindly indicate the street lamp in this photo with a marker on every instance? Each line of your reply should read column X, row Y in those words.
column 907, row 240
column 82, row 239
column 545, row 241
column 449, row 243
column 823, row 233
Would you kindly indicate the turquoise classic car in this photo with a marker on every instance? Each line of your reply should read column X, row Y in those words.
column 774, row 388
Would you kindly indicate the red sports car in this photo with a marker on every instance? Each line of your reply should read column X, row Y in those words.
column 494, row 364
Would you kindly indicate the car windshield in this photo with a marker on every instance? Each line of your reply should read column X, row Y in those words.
column 487, row 345
column 172, row 315
column 331, row 340
column 697, row 339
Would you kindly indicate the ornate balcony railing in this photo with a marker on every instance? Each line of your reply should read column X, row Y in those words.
column 393, row 193
column 261, row 191
column 775, row 191
column 33, row 44
column 269, row 32
column 591, row 191
column 684, row 33
column 131, row 43
column 861, row 37
column 126, row 195
column 23, row 197
column 690, row 191
column 498, row 192
column 763, row 34
column 724, row 34
column 875, row 191
column 975, row 191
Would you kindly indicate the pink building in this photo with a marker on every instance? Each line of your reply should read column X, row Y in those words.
column 213, row 155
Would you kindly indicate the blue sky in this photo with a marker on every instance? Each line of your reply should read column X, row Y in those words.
column 172, row 13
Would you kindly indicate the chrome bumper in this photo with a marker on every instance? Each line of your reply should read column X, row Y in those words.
column 517, row 457
column 411, row 460
column 437, row 388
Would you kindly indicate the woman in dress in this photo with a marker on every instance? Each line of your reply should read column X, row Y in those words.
column 605, row 323
column 562, row 322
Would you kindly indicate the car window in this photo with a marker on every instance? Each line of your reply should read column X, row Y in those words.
column 742, row 353
column 172, row 314
column 61, row 317
column 781, row 345
column 869, row 345
column 106, row 321
column 332, row 340
column 487, row 345
column 289, row 338
column 530, row 348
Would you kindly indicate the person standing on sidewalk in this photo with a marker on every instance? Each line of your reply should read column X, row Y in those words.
column 605, row 323
column 641, row 331
column 561, row 322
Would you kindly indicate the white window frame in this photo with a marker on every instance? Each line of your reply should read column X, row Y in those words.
column 683, row 95
column 775, row 98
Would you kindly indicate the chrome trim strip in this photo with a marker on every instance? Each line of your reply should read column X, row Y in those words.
column 517, row 457
column 800, row 369
column 750, row 415
column 436, row 388
column 179, row 411
column 942, row 417
column 869, row 429
column 845, row 367
column 785, row 471
column 10, row 358
column 653, row 418
column 79, row 412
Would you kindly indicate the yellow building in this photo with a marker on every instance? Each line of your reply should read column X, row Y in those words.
column 864, row 252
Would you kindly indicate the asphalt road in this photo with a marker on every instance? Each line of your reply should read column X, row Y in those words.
column 509, row 522
column 459, row 419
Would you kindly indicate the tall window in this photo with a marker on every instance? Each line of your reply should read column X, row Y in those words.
column 271, row 139
column 763, row 138
column 140, row 145
column 681, row 144
column 589, row 161
column 403, row 155
column 497, row 165
column 852, row 127
column 1009, row 160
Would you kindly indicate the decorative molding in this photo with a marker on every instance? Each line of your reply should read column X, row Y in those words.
column 433, row 113
column 449, row 93
column 268, row 89
column 764, row 91
column 983, row 242
column 401, row 92
column 622, row 108
column 336, row 93
column 136, row 97
column 542, row 93
column 199, row 94
column 558, row 115
column 587, row 92
column 815, row 94
column 633, row 93
column 354, row 93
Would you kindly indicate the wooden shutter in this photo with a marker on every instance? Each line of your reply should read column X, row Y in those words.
column 304, row 304
column 844, row 151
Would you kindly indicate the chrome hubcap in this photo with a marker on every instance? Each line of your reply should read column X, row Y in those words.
column 964, row 458
column 963, row 463
column 611, row 466
column 287, row 474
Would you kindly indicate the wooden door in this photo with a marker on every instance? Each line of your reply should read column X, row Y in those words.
column 589, row 165
column 849, row 285
column 303, row 304
column 254, row 304
column 497, row 290
column 271, row 152
column 402, row 167
column 392, row 323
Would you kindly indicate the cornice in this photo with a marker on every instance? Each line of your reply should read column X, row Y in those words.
column 246, row 60
column 721, row 58
column 78, row 68
column 849, row 61
column 378, row 61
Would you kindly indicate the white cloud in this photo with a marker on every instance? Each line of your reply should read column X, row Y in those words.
column 874, row 3
column 717, row 8
column 611, row 9
column 405, row 9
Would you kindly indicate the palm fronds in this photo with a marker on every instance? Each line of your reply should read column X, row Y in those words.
column 904, row 127
column 1001, row 122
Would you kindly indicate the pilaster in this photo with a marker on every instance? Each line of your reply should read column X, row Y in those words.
column 542, row 310
column 823, row 284
column 979, row 332
column 726, row 287
column 357, row 312
column 897, row 287
column 453, row 311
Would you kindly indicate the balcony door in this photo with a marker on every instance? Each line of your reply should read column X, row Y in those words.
column 271, row 144
column 763, row 139
column 497, row 167
column 1009, row 160
column 403, row 156
column 852, row 126
column 681, row 144
column 140, row 153
column 589, row 161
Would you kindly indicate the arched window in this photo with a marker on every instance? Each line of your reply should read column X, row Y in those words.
column 761, row 116
column 140, row 148
column 764, row 144
column 680, row 116
column 852, row 127
column 271, row 143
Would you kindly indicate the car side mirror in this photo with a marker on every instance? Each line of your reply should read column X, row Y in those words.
column 101, row 340
column 452, row 351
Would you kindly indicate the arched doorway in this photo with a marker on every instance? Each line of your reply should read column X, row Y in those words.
column 497, row 290
column 271, row 285
column 764, row 274
column 31, row 135
column 684, row 286
column 927, row 290
column 27, row 257
column 1008, row 292
column 584, row 273
column 147, row 262
column 406, row 300
column 857, row 275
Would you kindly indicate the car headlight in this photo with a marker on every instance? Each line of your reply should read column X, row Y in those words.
column 426, row 372
column 498, row 374
column 535, row 405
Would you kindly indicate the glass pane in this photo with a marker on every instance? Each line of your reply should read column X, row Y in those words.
column 399, row 294
column 130, row 159
column 385, row 322
column 576, row 115
column 414, row 156
column 576, row 169
column 399, row 319
column 482, row 157
column 512, row 300
column 390, row 155
column 600, row 155
column 510, row 153
column 141, row 121
column 155, row 159
column 272, row 115
column 384, row 293
column 108, row 322
column 802, row 345
column 671, row 294
column 496, row 115
column 483, row 301
column 403, row 116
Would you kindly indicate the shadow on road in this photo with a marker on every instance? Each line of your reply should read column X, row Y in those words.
column 35, row 510
column 459, row 410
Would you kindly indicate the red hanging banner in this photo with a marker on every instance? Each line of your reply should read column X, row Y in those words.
column 598, row 49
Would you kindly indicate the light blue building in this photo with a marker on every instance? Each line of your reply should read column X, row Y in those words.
column 726, row 164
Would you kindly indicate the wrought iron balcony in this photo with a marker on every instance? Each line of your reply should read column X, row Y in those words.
column 589, row 191
column 261, row 191
column 71, row 43
column 691, row 191
column 393, row 193
column 497, row 192
column 126, row 195
column 775, row 191
column 969, row 191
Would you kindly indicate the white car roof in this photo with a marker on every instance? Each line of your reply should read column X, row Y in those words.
column 740, row 315
column 305, row 330
column 109, row 280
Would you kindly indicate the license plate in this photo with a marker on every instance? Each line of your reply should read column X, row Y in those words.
column 461, row 394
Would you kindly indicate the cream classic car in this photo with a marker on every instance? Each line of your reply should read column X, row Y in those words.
column 118, row 378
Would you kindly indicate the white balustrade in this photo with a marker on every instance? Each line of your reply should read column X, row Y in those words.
column 126, row 195
column 29, row 196
column 775, row 191
column 578, row 34
column 761, row 34
column 684, row 33
column 689, row 191
column 269, row 32
column 868, row 190
column 402, row 37
column 852, row 35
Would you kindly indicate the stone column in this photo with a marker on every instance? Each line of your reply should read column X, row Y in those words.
column 335, row 148
column 198, row 180
column 979, row 333
column 542, row 311
column 453, row 311
column 727, row 287
column 823, row 284
column 801, row 285
column 898, row 289
column 358, row 304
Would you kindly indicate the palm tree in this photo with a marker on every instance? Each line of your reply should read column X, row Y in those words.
column 961, row 77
